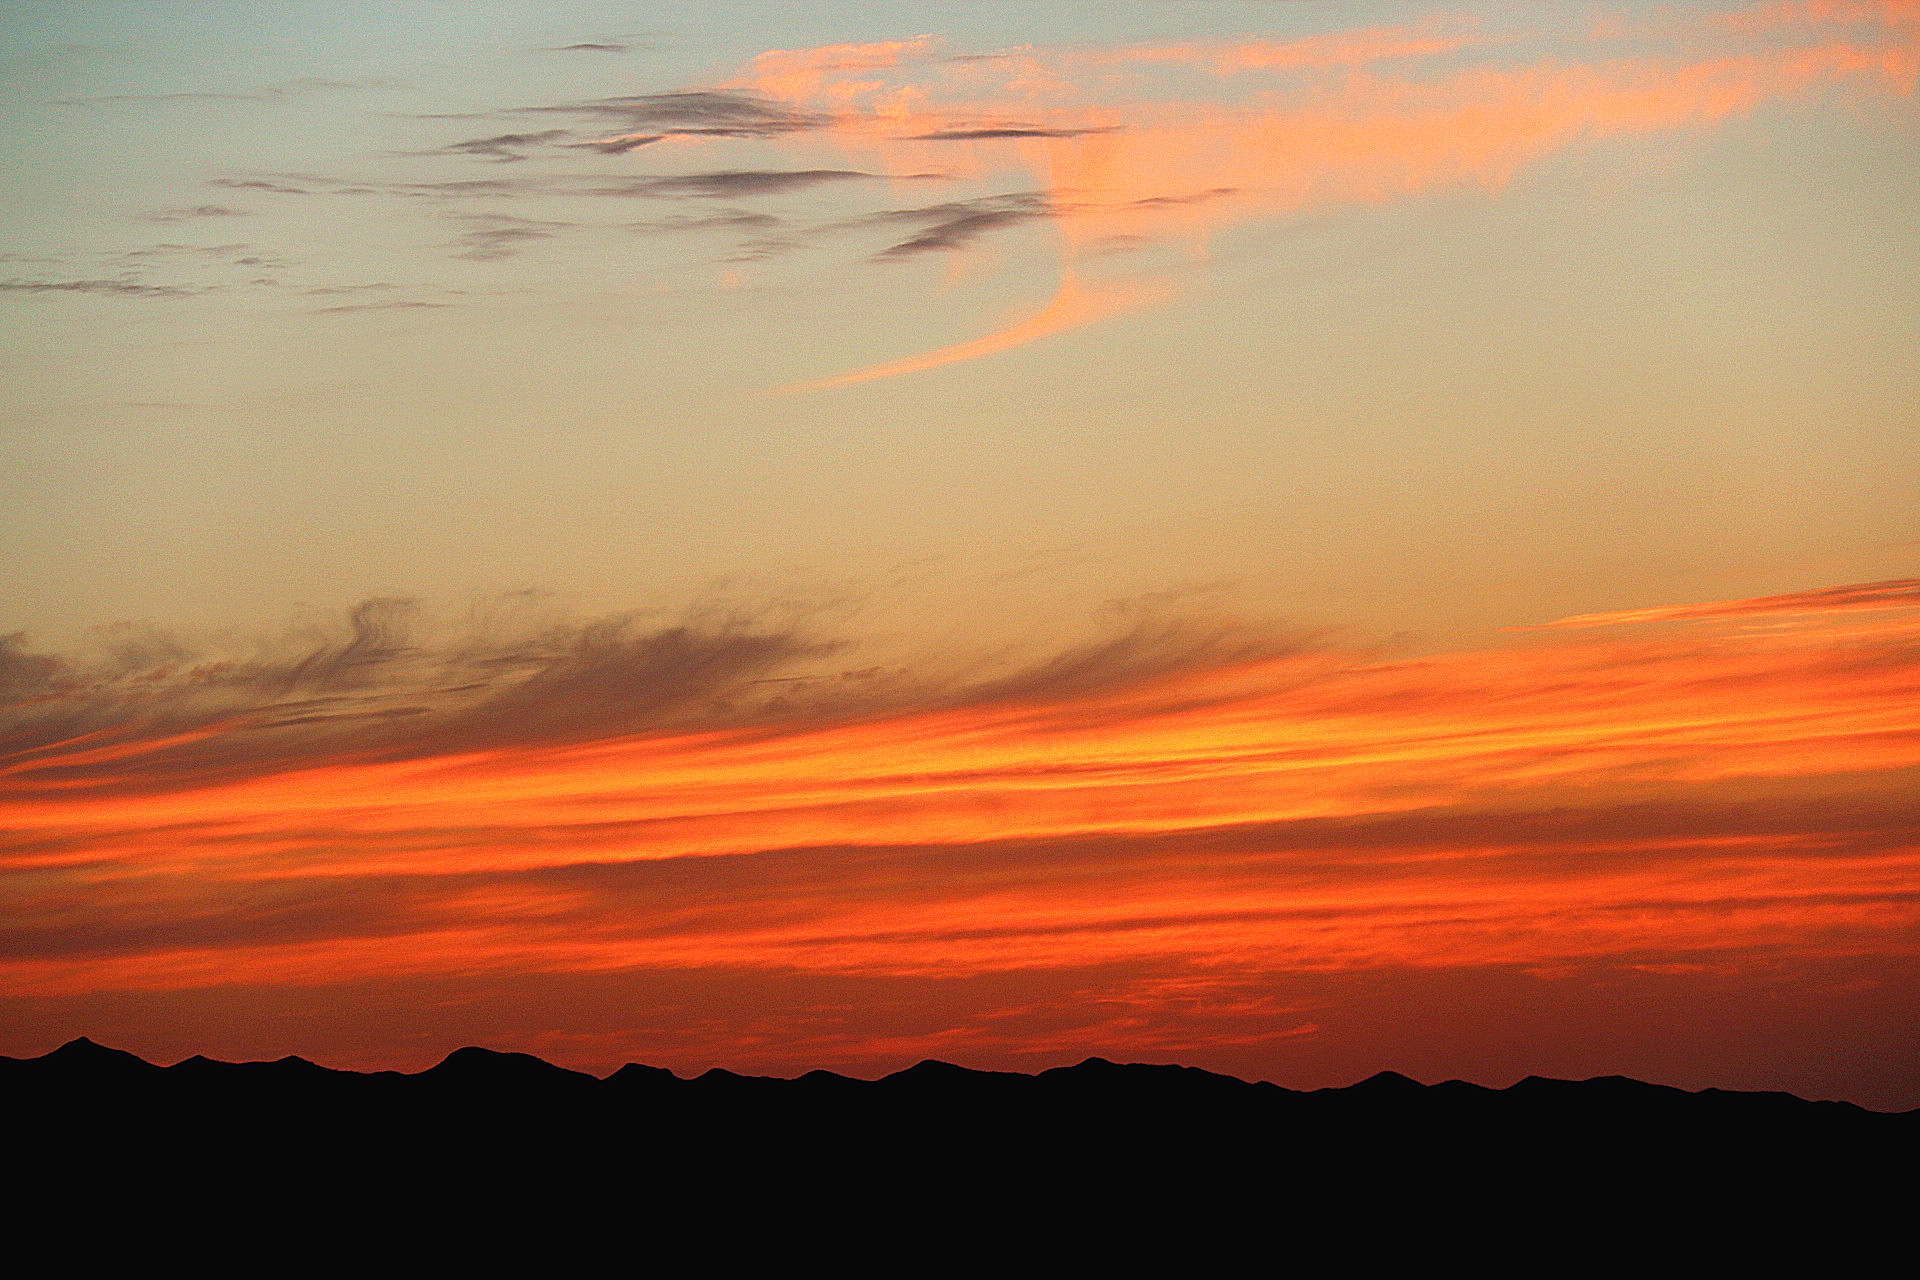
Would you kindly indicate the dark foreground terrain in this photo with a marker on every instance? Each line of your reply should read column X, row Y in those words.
column 501, row 1150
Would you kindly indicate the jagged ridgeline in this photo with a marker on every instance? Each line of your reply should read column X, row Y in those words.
column 1092, row 1138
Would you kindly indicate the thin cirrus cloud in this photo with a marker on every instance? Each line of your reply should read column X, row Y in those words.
column 1333, row 120
column 286, row 90
column 495, row 236
column 692, row 113
column 506, row 147
column 155, row 271
column 1126, row 147
column 193, row 213
column 1819, row 14
column 733, row 182
column 1195, row 808
column 108, row 288
column 1897, row 593
column 959, row 223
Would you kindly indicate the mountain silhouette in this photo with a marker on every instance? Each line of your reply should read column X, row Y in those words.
column 1171, row 1157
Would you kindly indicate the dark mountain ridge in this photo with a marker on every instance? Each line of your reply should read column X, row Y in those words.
column 506, row 1143
column 108, row 1077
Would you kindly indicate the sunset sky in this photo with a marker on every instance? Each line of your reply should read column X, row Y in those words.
column 1294, row 537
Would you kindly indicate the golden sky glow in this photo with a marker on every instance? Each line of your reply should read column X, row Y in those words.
column 1301, row 539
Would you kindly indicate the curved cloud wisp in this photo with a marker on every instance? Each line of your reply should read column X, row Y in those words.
column 1076, row 303
column 1127, row 150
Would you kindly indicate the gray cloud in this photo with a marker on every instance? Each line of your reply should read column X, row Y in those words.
column 699, row 112
column 760, row 250
column 242, row 255
column 730, row 220
column 275, row 185
column 717, row 184
column 458, row 190
column 620, row 145
column 330, row 289
column 299, row 86
column 1198, row 197
column 737, row 182
column 368, row 687
column 197, row 211
column 1005, row 131
column 505, row 147
column 957, row 224
column 405, row 305
column 110, row 288
column 956, row 233
column 496, row 236
column 379, row 684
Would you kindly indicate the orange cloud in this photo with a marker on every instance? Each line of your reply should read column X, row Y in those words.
column 1537, row 805
column 1125, row 157
column 1076, row 303
column 827, row 71
column 1897, row 593
column 1805, row 14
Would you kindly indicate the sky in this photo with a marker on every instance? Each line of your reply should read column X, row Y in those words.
column 1299, row 538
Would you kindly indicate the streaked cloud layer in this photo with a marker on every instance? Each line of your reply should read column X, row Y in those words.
column 1199, row 807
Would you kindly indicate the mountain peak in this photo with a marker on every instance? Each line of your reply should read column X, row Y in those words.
column 86, row 1055
column 476, row 1064
column 931, row 1068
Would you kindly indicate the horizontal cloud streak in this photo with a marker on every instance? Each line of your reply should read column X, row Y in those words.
column 1897, row 593
column 605, row 797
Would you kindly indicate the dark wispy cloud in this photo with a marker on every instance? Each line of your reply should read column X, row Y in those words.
column 379, row 295
column 278, row 186
column 737, row 182
column 729, row 220
column 407, row 304
column 308, row 184
column 716, row 184
column 165, row 270
column 380, row 683
column 620, row 145
column 506, row 147
column 241, row 255
column 297, row 87
column 595, row 46
column 984, row 132
column 330, row 290
column 122, row 288
column 192, row 213
column 457, row 190
column 493, row 236
column 1895, row 593
column 760, row 250
column 371, row 685
column 1197, row 197
column 700, row 112
column 957, row 224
